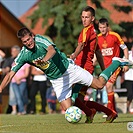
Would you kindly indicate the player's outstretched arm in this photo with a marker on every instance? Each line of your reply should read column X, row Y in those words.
column 6, row 80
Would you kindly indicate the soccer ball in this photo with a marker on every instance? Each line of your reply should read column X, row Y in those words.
column 73, row 114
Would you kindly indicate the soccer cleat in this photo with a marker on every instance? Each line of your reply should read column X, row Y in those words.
column 89, row 119
column 124, row 62
column 111, row 117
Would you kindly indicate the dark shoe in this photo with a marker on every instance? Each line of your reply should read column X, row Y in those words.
column 111, row 117
column 89, row 119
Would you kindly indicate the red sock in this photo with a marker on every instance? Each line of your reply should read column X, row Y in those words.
column 111, row 101
column 98, row 107
column 83, row 107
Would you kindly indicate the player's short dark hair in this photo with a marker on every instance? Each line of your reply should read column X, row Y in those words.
column 90, row 9
column 103, row 21
column 23, row 31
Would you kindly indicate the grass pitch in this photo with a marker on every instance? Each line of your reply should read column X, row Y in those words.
column 56, row 123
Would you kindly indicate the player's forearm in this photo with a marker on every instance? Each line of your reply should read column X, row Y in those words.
column 36, row 72
column 126, row 54
column 100, row 59
column 50, row 53
column 79, row 49
column 5, row 70
column 6, row 80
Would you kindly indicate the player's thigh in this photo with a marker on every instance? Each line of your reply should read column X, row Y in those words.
column 84, row 77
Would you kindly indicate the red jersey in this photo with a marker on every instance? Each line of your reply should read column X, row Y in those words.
column 84, row 59
column 109, row 46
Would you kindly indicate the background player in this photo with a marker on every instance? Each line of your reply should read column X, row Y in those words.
column 110, row 43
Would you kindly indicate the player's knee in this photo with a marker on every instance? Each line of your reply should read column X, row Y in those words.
column 99, row 86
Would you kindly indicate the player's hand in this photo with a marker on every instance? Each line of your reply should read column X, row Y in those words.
column 125, row 68
column 38, row 62
column 72, row 56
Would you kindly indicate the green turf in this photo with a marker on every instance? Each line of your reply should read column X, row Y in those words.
column 56, row 123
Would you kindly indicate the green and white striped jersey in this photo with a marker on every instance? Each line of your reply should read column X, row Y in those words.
column 54, row 68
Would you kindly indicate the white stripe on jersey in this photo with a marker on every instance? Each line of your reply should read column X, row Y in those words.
column 43, row 40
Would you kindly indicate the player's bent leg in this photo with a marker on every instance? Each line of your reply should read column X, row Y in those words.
column 106, row 74
column 82, row 93
column 66, row 103
column 117, row 62
column 109, row 87
column 111, row 115
column 111, row 99
column 89, row 119
column 90, row 113
column 98, row 83
column 75, row 91
column 79, row 102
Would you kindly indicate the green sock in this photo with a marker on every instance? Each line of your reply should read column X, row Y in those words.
column 110, row 70
column 75, row 91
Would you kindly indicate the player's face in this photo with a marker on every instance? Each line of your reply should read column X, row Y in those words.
column 87, row 18
column 28, row 41
column 103, row 28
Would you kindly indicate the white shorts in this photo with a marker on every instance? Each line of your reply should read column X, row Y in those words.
column 74, row 74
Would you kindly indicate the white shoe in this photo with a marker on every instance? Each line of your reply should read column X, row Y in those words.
column 105, row 116
column 124, row 62
column 24, row 113
column 13, row 112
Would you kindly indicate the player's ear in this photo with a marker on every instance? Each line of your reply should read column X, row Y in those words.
column 32, row 35
column 93, row 18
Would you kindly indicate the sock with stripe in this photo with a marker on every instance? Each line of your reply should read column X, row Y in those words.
column 110, row 70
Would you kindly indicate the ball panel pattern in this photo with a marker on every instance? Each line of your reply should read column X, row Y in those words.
column 73, row 114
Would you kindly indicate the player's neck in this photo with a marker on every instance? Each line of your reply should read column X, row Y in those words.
column 104, row 35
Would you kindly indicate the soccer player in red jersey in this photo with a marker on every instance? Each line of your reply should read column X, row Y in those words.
column 83, row 56
column 110, row 43
column 87, row 42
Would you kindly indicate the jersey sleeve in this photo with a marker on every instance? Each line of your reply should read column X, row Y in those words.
column 80, row 39
column 119, row 39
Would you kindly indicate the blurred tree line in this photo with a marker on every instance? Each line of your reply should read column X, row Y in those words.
column 67, row 22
